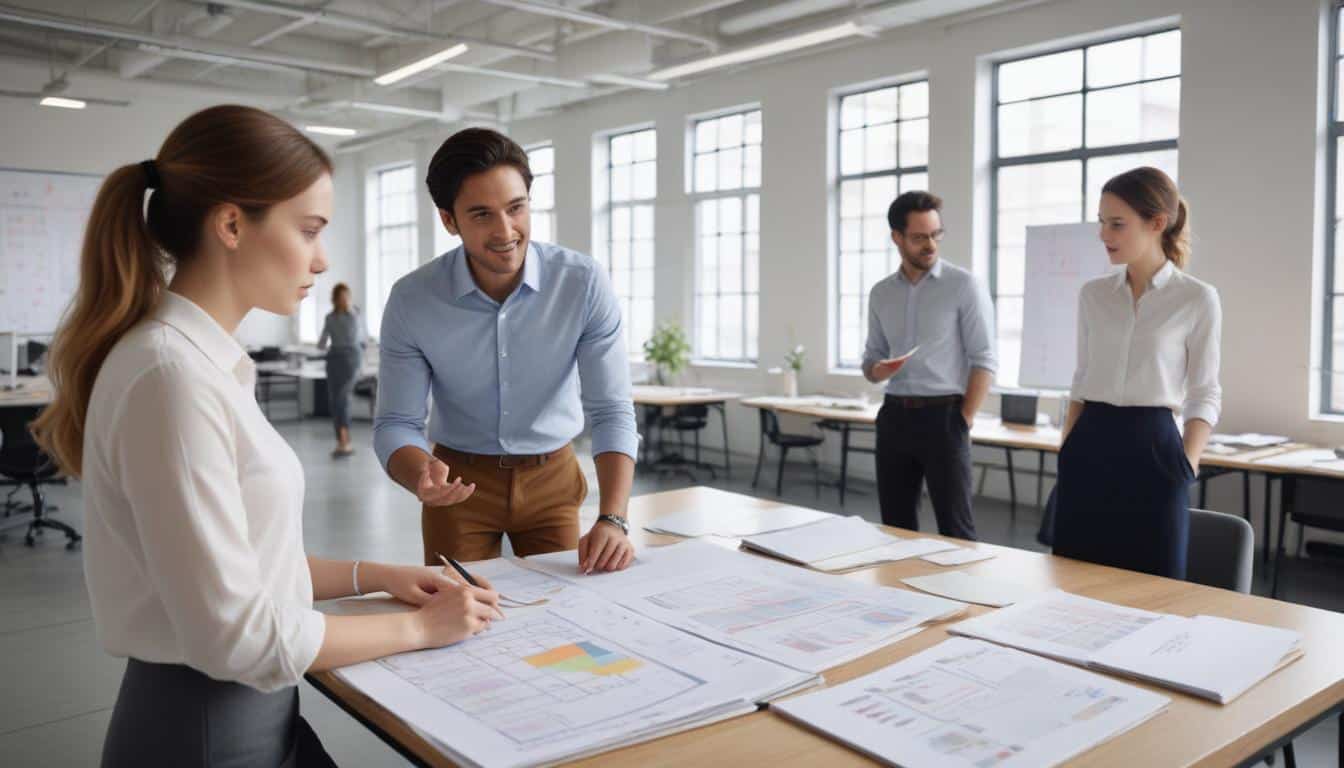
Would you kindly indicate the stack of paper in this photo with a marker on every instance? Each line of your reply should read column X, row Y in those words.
column 733, row 522
column 1248, row 440
column 968, row 703
column 840, row 543
column 808, row 621
column 575, row 676
column 1210, row 657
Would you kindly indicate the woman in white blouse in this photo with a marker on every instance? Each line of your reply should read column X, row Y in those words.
column 193, row 503
column 1148, row 342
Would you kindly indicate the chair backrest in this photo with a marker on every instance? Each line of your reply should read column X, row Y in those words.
column 692, row 411
column 20, row 456
column 1221, row 551
column 1316, row 503
column 770, row 424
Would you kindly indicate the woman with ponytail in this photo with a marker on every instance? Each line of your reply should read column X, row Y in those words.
column 1148, row 341
column 193, row 503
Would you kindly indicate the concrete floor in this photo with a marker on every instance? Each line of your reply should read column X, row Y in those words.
column 60, row 686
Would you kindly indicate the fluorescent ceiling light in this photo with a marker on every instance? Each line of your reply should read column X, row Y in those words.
column 330, row 130
column 765, row 50
column 629, row 82
column 58, row 101
column 421, row 65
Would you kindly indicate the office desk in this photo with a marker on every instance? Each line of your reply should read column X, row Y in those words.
column 311, row 370
column 31, row 390
column 1192, row 732
column 654, row 398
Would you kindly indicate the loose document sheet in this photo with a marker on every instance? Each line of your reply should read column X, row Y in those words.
column 969, row 703
column 734, row 521
column 1206, row 656
column 572, row 677
column 840, row 543
column 805, row 620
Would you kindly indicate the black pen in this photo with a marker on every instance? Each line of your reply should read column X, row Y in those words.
column 449, row 562
column 456, row 566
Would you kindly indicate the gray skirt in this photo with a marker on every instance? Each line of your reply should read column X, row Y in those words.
column 171, row 714
column 343, row 365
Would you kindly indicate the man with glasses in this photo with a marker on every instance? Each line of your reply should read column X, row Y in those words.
column 923, row 430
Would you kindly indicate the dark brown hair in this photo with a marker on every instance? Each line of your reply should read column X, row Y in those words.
column 908, row 203
column 336, row 292
column 224, row 154
column 467, row 153
column 1152, row 193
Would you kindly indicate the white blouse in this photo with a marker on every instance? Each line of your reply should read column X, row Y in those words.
column 194, row 508
column 1162, row 351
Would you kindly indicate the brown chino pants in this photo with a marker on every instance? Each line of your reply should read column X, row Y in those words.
column 536, row 504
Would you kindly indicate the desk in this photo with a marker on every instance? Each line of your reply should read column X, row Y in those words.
column 31, row 390
column 653, row 399
column 1192, row 732
column 311, row 370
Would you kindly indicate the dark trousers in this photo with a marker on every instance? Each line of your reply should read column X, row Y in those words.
column 1122, row 496
column 929, row 444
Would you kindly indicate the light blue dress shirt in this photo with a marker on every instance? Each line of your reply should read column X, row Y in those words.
column 505, row 378
column 947, row 314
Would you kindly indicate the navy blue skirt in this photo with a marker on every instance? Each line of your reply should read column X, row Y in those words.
column 1123, row 493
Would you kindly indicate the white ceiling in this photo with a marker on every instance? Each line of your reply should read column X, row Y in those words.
column 314, row 60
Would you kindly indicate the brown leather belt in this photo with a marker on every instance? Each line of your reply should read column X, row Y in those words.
column 897, row 401
column 505, row 461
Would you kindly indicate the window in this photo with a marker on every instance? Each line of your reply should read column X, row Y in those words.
column 541, row 158
column 884, row 151
column 391, row 236
column 1332, row 387
column 1065, row 123
column 632, row 185
column 726, row 197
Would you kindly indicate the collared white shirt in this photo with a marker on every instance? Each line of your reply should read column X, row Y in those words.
column 1160, row 351
column 193, row 509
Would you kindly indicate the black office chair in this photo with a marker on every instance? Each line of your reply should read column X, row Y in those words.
column 785, row 442
column 23, row 462
column 1311, row 503
column 687, row 418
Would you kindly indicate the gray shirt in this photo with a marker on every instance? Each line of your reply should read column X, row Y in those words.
column 947, row 314
column 343, row 329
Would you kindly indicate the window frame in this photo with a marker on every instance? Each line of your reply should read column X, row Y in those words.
column 837, row 362
column 374, row 236
column 742, row 192
column 634, row 347
column 1334, row 134
column 550, row 213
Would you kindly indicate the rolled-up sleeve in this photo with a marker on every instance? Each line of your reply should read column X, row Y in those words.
column 1203, row 392
column 174, row 441
column 977, row 327
column 876, row 348
column 604, row 373
column 403, row 386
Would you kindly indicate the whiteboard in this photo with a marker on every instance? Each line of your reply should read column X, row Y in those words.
column 1059, row 259
column 42, row 217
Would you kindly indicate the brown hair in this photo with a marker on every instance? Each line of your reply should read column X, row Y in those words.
column 1152, row 193
column 467, row 153
column 908, row 203
column 335, row 295
column 225, row 154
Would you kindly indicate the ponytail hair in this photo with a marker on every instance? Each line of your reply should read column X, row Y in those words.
column 1152, row 193
column 221, row 155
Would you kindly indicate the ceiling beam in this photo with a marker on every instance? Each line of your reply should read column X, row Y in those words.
column 596, row 19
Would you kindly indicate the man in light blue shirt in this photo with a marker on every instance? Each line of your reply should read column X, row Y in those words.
column 515, row 342
column 923, row 430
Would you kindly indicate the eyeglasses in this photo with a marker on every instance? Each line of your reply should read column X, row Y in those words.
column 919, row 238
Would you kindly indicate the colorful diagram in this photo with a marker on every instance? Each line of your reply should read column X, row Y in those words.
column 584, row 657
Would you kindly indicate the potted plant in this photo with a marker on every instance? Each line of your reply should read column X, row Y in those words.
column 793, row 362
column 668, row 350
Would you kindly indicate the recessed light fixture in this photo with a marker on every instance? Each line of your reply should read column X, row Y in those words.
column 62, row 102
column 330, row 130
column 421, row 65
column 765, row 50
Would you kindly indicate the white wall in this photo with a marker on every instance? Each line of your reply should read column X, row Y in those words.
column 1251, row 165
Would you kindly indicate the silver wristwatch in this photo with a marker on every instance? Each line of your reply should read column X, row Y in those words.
column 619, row 522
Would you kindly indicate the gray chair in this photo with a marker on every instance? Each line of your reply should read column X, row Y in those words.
column 1221, row 554
column 1221, row 551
